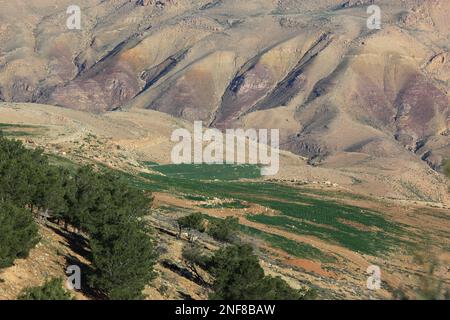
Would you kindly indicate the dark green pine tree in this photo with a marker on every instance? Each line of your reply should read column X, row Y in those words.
column 83, row 198
column 123, row 265
column 224, row 230
column 97, row 195
column 51, row 290
column 49, row 197
column 194, row 221
column 18, row 233
column 110, row 212
column 239, row 276
column 236, row 269
column 20, row 172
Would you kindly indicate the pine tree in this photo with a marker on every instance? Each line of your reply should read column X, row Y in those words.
column 18, row 233
column 123, row 264
column 50, row 290
column 194, row 221
column 110, row 212
column 224, row 230
column 50, row 192
column 97, row 195
column 239, row 276
column 236, row 269
column 20, row 172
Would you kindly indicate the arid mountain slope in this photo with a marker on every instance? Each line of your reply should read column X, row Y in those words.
column 369, row 102
column 128, row 138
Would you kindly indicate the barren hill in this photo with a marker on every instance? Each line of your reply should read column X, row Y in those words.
column 125, row 139
column 370, row 104
column 363, row 117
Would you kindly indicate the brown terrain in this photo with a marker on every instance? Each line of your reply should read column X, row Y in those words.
column 123, row 140
column 371, row 105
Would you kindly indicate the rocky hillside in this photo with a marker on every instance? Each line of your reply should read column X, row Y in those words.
column 315, row 234
column 344, row 96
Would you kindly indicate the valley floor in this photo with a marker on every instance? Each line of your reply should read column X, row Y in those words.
column 316, row 234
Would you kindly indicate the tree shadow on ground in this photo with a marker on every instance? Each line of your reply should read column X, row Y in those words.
column 79, row 245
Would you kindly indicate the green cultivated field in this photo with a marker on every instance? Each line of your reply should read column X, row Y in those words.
column 294, row 248
column 208, row 171
column 300, row 211
column 18, row 130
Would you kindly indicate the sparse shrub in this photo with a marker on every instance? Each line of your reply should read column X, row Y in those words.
column 50, row 290
column 429, row 285
column 194, row 256
column 224, row 230
column 163, row 289
column 275, row 288
column 194, row 221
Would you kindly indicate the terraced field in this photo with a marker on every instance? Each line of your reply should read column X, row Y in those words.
column 315, row 236
column 17, row 130
column 298, row 210
column 208, row 171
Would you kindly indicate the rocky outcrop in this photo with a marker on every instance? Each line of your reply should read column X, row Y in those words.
column 422, row 110
column 312, row 69
column 157, row 3
column 21, row 90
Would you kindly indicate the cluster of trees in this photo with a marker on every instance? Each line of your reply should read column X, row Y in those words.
column 18, row 233
column 224, row 230
column 20, row 179
column 110, row 213
column 98, row 205
column 239, row 276
column 105, row 210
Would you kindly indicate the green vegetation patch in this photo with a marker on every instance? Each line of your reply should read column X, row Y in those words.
column 19, row 130
column 51, row 290
column 352, row 227
column 193, row 197
column 150, row 163
column 209, row 171
column 294, row 248
column 62, row 162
